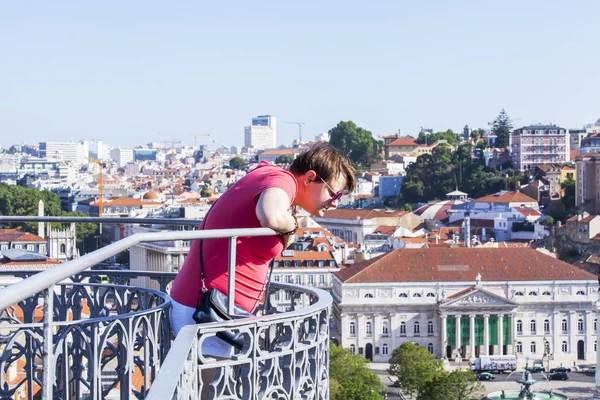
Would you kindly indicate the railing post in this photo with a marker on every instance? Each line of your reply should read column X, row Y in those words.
column 47, row 352
column 231, row 275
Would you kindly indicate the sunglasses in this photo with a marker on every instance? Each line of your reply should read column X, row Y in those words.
column 334, row 195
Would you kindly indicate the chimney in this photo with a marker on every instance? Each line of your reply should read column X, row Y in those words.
column 41, row 214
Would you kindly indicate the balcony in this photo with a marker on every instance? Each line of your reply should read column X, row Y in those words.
column 113, row 340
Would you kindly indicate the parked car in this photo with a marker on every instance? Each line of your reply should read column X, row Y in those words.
column 536, row 368
column 560, row 369
column 485, row 376
column 590, row 371
column 558, row 376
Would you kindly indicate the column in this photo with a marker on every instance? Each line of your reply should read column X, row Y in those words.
column 344, row 331
column 500, row 326
column 360, row 327
column 486, row 334
column 376, row 339
column 393, row 333
column 513, row 325
column 589, row 335
column 572, row 341
column 458, row 339
column 556, row 317
column 472, row 334
column 443, row 335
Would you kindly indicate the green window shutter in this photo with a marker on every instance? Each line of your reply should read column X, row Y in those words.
column 464, row 331
column 451, row 331
column 479, row 330
column 493, row 329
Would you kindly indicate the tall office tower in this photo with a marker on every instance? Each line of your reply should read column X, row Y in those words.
column 539, row 144
column 96, row 149
column 121, row 156
column 262, row 134
column 63, row 151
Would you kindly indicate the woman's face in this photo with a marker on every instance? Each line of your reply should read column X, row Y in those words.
column 319, row 195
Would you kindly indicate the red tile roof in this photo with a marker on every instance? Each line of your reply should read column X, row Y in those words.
column 507, row 197
column 462, row 264
column 403, row 141
column 15, row 235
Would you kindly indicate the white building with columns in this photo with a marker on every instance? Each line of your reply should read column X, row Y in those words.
column 466, row 302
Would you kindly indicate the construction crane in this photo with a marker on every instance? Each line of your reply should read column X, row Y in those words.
column 299, row 128
column 195, row 135
column 173, row 142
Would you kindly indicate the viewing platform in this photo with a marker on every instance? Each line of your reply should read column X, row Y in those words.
column 64, row 336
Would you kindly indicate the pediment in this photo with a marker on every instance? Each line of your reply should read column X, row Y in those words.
column 477, row 298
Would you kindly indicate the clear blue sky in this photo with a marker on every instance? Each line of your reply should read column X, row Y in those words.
column 125, row 71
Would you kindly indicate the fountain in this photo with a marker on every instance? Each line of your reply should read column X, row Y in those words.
column 525, row 392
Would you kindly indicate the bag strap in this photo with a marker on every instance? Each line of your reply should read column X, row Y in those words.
column 200, row 256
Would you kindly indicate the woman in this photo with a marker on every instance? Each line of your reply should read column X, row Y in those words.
column 266, row 197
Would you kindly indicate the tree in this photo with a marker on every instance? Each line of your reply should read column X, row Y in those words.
column 349, row 376
column 406, row 207
column 429, row 138
column 502, row 127
column 568, row 199
column 414, row 366
column 356, row 142
column 284, row 159
column 18, row 200
column 460, row 384
column 237, row 163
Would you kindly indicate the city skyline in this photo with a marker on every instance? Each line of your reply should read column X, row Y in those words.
column 129, row 74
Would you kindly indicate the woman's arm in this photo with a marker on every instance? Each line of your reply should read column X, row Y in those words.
column 272, row 210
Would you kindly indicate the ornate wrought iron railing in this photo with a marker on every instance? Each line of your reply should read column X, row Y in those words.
column 111, row 340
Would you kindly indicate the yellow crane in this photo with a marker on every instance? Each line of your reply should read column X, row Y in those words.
column 195, row 135
column 172, row 142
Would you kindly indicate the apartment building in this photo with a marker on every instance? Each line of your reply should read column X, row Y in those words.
column 539, row 144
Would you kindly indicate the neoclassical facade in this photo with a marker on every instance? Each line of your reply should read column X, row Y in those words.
column 466, row 302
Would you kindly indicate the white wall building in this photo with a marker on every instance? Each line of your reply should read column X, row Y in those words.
column 63, row 151
column 484, row 301
column 121, row 156
column 262, row 134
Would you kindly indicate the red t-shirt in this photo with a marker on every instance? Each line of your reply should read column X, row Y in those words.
column 236, row 208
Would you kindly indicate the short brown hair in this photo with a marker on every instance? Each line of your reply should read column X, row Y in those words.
column 327, row 162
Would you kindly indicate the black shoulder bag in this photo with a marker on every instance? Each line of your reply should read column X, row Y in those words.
column 212, row 305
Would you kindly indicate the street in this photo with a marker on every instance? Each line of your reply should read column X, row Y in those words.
column 579, row 386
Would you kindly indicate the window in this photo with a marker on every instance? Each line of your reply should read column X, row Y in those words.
column 595, row 344
column 430, row 328
column 296, row 263
column 298, row 279
column 385, row 331
column 403, row 295
column 430, row 294
column 532, row 347
column 580, row 293
column 353, row 349
column 4, row 247
column 519, row 327
column 532, row 327
column 286, row 263
column 369, row 329
column 519, row 347
column 368, row 296
column 30, row 247
column 322, row 279
column 288, row 295
column 580, row 325
column 546, row 326
column 564, row 326
column 595, row 319
column 563, row 347
column 417, row 295
column 309, row 263
column 417, row 328
column 276, row 278
column 519, row 294
column 18, row 246
column 532, row 293
column 403, row 328
column 430, row 348
column 288, row 279
column 384, row 350
column 352, row 329
column 311, row 279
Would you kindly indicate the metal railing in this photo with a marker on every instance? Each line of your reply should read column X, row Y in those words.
column 126, row 333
